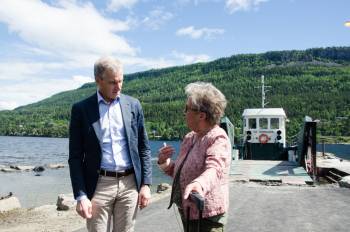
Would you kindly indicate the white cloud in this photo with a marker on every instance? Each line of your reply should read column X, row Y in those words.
column 204, row 32
column 73, row 35
column 82, row 79
column 190, row 58
column 28, row 50
column 245, row 5
column 21, row 71
column 156, row 18
column 33, row 90
column 8, row 105
column 65, row 29
column 116, row 5
column 22, row 83
column 61, row 40
column 146, row 63
column 194, row 2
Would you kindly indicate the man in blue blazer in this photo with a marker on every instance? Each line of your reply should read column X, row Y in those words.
column 109, row 154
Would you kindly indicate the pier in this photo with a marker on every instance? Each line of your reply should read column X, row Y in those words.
column 269, row 172
column 304, row 166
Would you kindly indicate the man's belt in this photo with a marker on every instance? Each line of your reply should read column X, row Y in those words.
column 116, row 174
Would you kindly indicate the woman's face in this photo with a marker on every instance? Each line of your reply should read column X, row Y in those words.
column 192, row 116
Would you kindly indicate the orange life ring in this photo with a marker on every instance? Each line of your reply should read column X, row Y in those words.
column 263, row 138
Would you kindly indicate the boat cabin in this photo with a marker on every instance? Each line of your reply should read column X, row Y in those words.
column 264, row 133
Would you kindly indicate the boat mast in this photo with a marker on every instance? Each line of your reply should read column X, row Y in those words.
column 263, row 91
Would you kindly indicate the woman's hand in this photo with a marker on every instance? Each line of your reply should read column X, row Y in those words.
column 193, row 187
column 165, row 153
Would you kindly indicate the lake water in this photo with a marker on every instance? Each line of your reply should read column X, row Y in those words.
column 39, row 190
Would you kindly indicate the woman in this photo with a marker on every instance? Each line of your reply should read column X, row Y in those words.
column 204, row 160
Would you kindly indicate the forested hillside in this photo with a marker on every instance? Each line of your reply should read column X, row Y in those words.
column 314, row 82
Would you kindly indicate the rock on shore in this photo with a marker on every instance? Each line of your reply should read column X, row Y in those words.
column 9, row 203
column 65, row 201
column 345, row 182
column 21, row 168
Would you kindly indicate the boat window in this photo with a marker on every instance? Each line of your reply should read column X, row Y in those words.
column 252, row 123
column 263, row 123
column 274, row 123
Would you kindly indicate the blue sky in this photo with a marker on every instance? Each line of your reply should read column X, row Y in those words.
column 49, row 46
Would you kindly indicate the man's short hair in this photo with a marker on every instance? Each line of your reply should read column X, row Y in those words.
column 107, row 63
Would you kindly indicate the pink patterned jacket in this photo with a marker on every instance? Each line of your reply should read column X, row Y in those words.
column 209, row 165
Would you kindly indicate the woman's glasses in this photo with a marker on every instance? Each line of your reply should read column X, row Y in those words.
column 188, row 108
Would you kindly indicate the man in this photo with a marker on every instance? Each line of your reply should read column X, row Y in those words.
column 109, row 154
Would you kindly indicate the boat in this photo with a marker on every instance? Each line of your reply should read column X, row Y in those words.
column 263, row 154
column 264, row 132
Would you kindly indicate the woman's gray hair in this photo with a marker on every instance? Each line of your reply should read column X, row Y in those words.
column 107, row 63
column 206, row 98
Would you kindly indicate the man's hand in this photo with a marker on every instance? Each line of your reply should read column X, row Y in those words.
column 84, row 208
column 193, row 187
column 144, row 196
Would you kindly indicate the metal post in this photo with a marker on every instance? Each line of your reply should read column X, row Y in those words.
column 262, row 92
column 323, row 147
column 313, row 150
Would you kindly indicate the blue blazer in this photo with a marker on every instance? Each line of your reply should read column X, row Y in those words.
column 84, row 147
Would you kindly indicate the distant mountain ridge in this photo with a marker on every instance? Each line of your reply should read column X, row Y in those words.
column 314, row 82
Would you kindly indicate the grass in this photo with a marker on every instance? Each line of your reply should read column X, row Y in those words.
column 333, row 139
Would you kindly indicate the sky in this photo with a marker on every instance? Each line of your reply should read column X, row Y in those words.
column 50, row 46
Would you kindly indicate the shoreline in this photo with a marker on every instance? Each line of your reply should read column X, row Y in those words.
column 48, row 218
column 330, row 138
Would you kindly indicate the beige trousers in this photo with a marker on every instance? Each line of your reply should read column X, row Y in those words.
column 114, row 205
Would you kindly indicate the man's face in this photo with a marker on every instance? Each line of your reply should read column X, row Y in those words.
column 110, row 85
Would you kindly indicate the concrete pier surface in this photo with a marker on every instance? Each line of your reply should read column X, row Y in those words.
column 266, row 196
column 284, row 172
column 256, row 207
column 331, row 161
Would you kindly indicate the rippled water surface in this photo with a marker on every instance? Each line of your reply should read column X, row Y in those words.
column 39, row 190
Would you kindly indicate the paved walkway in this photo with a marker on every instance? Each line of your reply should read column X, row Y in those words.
column 258, row 208
column 254, row 207
column 292, row 206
